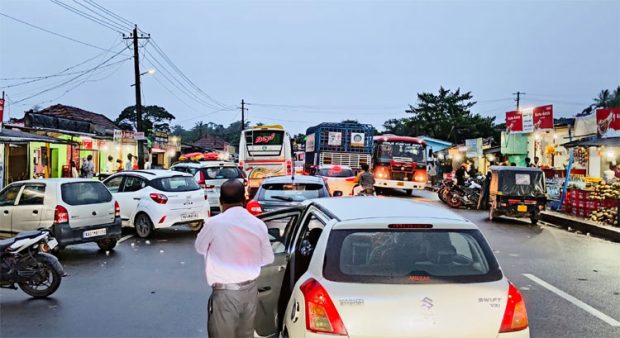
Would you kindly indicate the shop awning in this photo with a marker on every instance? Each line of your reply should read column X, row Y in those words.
column 17, row 136
column 594, row 142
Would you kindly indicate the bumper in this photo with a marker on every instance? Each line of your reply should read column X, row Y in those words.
column 180, row 217
column 66, row 235
column 399, row 184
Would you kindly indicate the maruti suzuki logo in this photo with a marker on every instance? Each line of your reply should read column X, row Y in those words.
column 427, row 303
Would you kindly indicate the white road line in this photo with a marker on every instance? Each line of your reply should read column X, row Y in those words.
column 574, row 300
column 124, row 239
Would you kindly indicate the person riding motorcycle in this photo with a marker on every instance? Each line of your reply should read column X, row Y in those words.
column 366, row 180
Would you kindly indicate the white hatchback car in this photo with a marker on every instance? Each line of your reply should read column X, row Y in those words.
column 383, row 267
column 340, row 179
column 153, row 199
column 74, row 210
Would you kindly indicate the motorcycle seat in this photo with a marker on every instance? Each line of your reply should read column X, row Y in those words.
column 27, row 234
column 5, row 243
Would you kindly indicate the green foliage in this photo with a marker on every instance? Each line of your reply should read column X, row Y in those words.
column 608, row 99
column 230, row 134
column 154, row 118
column 446, row 115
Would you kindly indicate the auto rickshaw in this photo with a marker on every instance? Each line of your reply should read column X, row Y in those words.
column 517, row 192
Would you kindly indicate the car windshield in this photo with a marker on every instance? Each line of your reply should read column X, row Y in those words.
column 221, row 173
column 189, row 170
column 82, row 193
column 297, row 192
column 401, row 152
column 336, row 172
column 175, row 183
column 409, row 256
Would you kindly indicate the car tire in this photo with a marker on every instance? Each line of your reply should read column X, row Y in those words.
column 143, row 225
column 107, row 244
column 408, row 192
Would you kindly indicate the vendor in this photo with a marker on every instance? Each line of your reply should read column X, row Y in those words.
column 616, row 170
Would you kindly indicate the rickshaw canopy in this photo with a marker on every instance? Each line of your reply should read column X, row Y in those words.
column 517, row 181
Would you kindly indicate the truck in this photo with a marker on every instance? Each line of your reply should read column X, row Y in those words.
column 347, row 144
column 399, row 162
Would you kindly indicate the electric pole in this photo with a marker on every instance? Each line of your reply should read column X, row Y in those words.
column 243, row 110
column 518, row 99
column 136, row 64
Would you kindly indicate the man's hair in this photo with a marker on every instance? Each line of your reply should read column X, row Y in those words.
column 129, row 156
column 232, row 192
column 364, row 166
column 527, row 159
column 110, row 158
column 89, row 157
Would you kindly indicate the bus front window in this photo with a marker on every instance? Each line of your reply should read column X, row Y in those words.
column 401, row 152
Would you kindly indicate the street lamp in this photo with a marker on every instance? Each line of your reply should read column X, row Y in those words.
column 151, row 71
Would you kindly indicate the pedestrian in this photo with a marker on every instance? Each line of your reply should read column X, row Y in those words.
column 129, row 164
column 432, row 172
column 89, row 167
column 147, row 164
column 235, row 245
column 536, row 163
column 119, row 165
column 110, row 165
column 74, row 172
column 461, row 175
column 528, row 162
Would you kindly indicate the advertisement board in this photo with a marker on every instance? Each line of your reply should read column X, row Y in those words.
column 474, row 147
column 608, row 122
column 310, row 143
column 514, row 122
column 358, row 139
column 334, row 138
column 543, row 117
column 529, row 120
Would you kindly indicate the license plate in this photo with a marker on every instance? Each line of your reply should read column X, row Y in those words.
column 191, row 215
column 522, row 208
column 94, row 233
column 400, row 184
column 52, row 243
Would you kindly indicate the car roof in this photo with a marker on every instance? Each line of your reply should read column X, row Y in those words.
column 516, row 169
column 205, row 164
column 367, row 208
column 150, row 174
column 55, row 180
column 298, row 179
column 331, row 166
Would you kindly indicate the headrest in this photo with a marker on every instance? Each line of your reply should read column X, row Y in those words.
column 441, row 254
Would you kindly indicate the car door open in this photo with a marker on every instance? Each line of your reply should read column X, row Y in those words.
column 279, row 225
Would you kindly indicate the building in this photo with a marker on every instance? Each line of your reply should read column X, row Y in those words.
column 434, row 144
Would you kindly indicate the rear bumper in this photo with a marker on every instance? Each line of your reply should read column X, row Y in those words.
column 66, row 235
column 178, row 217
column 399, row 184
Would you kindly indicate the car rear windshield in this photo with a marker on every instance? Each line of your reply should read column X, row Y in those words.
column 286, row 192
column 82, row 193
column 189, row 170
column 409, row 256
column 336, row 172
column 175, row 183
column 216, row 173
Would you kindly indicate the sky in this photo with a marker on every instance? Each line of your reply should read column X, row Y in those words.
column 299, row 63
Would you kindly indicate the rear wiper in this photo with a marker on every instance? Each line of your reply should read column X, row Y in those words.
column 283, row 198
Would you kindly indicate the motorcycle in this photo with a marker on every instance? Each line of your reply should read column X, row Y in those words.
column 25, row 262
column 465, row 196
column 444, row 189
column 365, row 191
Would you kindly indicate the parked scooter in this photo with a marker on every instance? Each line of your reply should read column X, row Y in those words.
column 444, row 189
column 465, row 196
column 25, row 262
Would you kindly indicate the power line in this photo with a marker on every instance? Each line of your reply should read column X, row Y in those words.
column 87, row 16
column 109, row 12
column 56, row 34
column 106, row 17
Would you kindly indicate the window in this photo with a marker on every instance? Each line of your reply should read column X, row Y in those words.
column 133, row 183
column 279, row 229
column 114, row 184
column 184, row 170
column 291, row 192
column 175, row 183
column 336, row 172
column 9, row 194
column 401, row 256
column 221, row 173
column 33, row 194
column 82, row 193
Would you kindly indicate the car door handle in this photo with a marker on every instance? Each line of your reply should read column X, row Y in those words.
column 6, row 212
column 137, row 198
column 264, row 289
column 36, row 212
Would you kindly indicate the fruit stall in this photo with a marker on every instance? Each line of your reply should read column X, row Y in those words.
column 594, row 199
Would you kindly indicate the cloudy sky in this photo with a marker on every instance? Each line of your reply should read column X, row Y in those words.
column 302, row 62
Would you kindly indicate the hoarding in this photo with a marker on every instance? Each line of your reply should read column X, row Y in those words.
column 474, row 147
column 357, row 139
column 310, row 143
column 543, row 117
column 529, row 120
column 334, row 138
column 608, row 122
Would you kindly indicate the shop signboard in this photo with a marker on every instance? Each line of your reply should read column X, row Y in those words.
column 474, row 147
column 334, row 138
column 310, row 143
column 357, row 139
column 87, row 143
column 529, row 120
column 1, row 110
column 608, row 122
column 514, row 122
column 139, row 136
column 543, row 117
column 118, row 135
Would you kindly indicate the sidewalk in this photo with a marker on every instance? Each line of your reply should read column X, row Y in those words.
column 585, row 226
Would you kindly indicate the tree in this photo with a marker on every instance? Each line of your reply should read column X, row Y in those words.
column 603, row 99
column 446, row 115
column 154, row 118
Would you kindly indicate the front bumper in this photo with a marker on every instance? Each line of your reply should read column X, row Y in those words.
column 380, row 183
column 66, row 235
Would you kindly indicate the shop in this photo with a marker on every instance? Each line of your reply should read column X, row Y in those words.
column 163, row 149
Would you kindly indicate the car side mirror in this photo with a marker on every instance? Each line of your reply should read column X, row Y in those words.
column 337, row 194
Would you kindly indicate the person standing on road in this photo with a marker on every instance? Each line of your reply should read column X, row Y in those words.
column 235, row 246
column 89, row 167
column 461, row 175
column 129, row 165
column 365, row 179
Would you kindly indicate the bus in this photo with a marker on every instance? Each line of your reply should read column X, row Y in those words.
column 399, row 162
column 265, row 151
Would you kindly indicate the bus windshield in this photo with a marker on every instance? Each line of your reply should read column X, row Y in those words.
column 400, row 152
column 264, row 142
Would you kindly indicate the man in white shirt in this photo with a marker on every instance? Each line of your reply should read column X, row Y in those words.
column 235, row 245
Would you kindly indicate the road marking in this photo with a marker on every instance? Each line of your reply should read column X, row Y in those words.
column 124, row 239
column 574, row 300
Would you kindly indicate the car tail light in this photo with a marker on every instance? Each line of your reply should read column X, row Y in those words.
column 321, row 314
column 61, row 215
column 289, row 167
column 159, row 198
column 350, row 179
column 201, row 178
column 515, row 316
column 209, row 186
column 254, row 207
column 117, row 209
column 162, row 220
column 241, row 164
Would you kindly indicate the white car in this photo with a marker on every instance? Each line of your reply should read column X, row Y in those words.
column 383, row 267
column 340, row 179
column 210, row 175
column 74, row 210
column 154, row 199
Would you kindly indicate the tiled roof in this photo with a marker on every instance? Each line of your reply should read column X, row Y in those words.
column 74, row 113
column 211, row 141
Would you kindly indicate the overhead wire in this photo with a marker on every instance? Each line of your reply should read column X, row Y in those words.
column 109, row 12
column 87, row 16
column 104, row 17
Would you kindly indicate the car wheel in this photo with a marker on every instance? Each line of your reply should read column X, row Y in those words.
column 143, row 225
column 408, row 192
column 107, row 244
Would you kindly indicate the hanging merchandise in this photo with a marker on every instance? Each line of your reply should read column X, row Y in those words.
column 582, row 156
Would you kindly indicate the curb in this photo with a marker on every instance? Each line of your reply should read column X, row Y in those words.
column 564, row 221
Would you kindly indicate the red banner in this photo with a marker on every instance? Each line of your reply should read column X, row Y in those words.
column 1, row 110
column 514, row 122
column 543, row 117
column 608, row 122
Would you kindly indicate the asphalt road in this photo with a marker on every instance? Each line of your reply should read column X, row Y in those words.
column 156, row 288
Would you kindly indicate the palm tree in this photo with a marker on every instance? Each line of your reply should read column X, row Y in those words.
column 615, row 100
column 604, row 99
